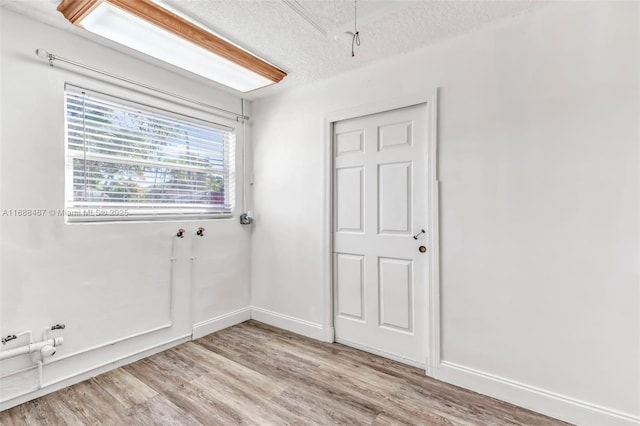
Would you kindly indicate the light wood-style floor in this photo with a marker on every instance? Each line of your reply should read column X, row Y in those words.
column 256, row 374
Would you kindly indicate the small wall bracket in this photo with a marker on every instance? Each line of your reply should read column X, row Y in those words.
column 9, row 338
column 246, row 218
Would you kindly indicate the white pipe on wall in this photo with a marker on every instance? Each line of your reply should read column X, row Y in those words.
column 46, row 349
column 22, row 350
column 27, row 332
column 40, row 374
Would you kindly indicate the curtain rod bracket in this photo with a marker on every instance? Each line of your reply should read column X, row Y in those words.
column 43, row 54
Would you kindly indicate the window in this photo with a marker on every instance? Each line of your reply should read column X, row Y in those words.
column 130, row 161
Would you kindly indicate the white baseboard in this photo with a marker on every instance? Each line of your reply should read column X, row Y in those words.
column 92, row 372
column 539, row 400
column 221, row 322
column 295, row 325
column 329, row 334
column 536, row 399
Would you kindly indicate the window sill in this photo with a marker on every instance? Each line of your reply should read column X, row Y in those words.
column 144, row 218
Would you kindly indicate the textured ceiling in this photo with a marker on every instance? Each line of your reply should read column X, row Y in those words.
column 312, row 51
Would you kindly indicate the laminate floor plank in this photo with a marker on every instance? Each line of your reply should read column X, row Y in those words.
column 290, row 368
column 324, row 409
column 203, row 407
column 220, row 366
column 372, row 385
column 48, row 410
column 60, row 412
column 395, row 418
column 256, row 407
column 172, row 365
column 151, row 375
column 346, row 356
column 159, row 411
column 16, row 416
column 256, row 374
column 125, row 387
column 91, row 404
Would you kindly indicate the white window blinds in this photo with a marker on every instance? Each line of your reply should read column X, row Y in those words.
column 130, row 161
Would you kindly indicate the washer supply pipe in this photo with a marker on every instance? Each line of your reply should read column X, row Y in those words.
column 46, row 348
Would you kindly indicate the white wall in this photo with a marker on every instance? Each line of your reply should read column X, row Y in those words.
column 104, row 281
column 538, row 162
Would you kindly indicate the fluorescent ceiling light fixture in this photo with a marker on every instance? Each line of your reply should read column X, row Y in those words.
column 148, row 28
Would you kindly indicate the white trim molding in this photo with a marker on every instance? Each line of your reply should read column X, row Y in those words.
column 540, row 400
column 286, row 322
column 433, row 237
column 221, row 322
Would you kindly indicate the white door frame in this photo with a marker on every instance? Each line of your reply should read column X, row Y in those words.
column 430, row 98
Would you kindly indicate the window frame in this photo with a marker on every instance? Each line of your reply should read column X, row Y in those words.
column 149, row 104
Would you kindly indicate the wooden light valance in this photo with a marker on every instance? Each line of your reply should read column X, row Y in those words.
column 76, row 10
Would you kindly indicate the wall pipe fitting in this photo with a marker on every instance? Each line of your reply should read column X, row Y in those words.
column 46, row 348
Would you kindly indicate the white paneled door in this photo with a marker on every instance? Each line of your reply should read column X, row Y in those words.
column 380, row 204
